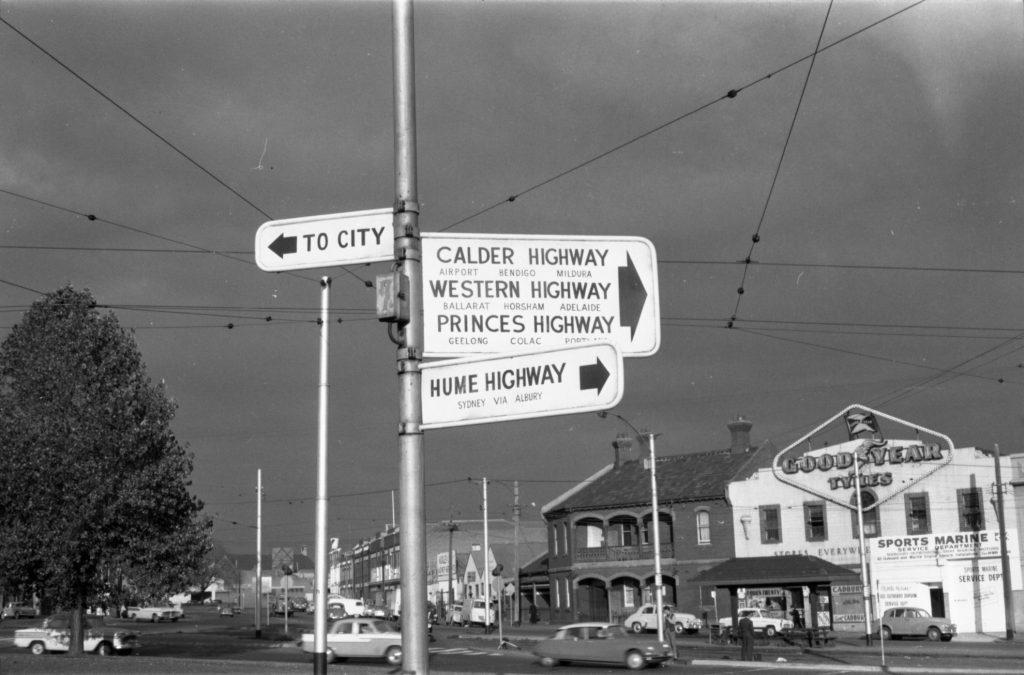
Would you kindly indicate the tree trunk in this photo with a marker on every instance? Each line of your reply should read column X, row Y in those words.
column 77, row 646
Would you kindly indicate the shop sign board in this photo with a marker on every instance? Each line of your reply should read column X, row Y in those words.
column 334, row 240
column 479, row 389
column 500, row 294
column 887, row 466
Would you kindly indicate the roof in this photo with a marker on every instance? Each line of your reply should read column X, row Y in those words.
column 692, row 477
column 775, row 570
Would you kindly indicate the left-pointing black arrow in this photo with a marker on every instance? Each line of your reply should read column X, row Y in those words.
column 593, row 376
column 284, row 245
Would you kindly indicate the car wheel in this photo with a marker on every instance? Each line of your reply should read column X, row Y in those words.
column 133, row 617
column 679, row 628
column 933, row 634
column 37, row 648
column 393, row 656
column 769, row 631
column 104, row 649
column 635, row 660
column 638, row 627
column 886, row 633
column 154, row 618
column 331, row 658
column 548, row 662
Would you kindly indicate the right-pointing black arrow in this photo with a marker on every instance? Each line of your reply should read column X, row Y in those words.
column 284, row 245
column 632, row 296
column 593, row 376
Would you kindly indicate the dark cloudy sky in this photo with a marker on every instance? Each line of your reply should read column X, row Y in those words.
column 883, row 177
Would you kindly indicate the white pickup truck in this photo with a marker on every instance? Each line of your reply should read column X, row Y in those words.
column 762, row 619
column 55, row 636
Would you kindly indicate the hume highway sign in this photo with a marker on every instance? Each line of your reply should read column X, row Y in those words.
column 487, row 294
column 479, row 389
column 326, row 241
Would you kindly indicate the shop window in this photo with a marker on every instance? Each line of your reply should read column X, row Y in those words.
column 703, row 527
column 870, row 515
column 815, row 524
column 771, row 525
column 918, row 520
column 971, row 507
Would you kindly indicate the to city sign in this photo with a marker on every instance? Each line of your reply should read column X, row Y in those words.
column 333, row 240
column 479, row 389
column 488, row 294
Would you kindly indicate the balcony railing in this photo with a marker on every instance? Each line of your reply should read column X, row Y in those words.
column 622, row 553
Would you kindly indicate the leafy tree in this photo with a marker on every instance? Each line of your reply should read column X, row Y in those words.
column 93, row 483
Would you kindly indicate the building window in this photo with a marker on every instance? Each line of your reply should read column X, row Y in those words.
column 703, row 527
column 771, row 526
column 870, row 515
column 916, row 506
column 814, row 521
column 971, row 507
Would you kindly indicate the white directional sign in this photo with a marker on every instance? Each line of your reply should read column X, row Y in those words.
column 486, row 294
column 480, row 389
column 326, row 241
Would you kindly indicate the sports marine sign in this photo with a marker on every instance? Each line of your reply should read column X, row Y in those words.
column 887, row 466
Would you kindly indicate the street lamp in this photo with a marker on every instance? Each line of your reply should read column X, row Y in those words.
column 655, row 520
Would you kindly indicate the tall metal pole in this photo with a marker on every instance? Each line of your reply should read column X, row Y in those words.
column 486, row 571
column 259, row 548
column 866, row 586
column 320, row 571
column 656, row 524
column 516, row 510
column 408, row 256
column 1003, row 553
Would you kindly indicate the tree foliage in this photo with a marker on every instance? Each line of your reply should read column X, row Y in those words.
column 94, row 484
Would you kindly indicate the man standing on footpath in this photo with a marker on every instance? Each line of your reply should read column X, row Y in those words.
column 746, row 639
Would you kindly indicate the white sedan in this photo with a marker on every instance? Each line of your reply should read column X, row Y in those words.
column 55, row 636
column 646, row 619
column 359, row 637
column 762, row 619
column 154, row 614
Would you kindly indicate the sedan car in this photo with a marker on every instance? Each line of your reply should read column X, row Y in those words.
column 646, row 618
column 154, row 614
column 900, row 622
column 763, row 619
column 601, row 643
column 16, row 610
column 55, row 636
column 359, row 637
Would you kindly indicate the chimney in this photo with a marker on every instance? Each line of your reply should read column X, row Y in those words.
column 623, row 445
column 739, row 429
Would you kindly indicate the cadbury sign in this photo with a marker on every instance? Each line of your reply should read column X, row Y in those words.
column 888, row 467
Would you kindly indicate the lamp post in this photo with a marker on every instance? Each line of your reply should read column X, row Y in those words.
column 865, row 584
column 655, row 520
column 452, row 567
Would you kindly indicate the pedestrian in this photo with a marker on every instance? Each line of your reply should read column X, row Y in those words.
column 746, row 639
column 670, row 631
column 798, row 622
column 534, row 616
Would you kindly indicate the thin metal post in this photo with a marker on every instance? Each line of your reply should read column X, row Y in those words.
column 486, row 570
column 320, row 572
column 1008, row 610
column 259, row 548
column 408, row 257
column 865, row 583
column 656, row 524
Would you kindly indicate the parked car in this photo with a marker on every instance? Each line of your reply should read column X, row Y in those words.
column 339, row 607
column 16, row 610
column 898, row 622
column 477, row 612
column 300, row 605
column 601, row 643
column 54, row 635
column 762, row 619
column 646, row 618
column 154, row 613
column 454, row 615
column 359, row 637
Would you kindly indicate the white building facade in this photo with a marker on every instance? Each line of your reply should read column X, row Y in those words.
column 928, row 512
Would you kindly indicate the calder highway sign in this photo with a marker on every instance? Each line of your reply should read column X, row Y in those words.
column 479, row 389
column 486, row 294
column 326, row 241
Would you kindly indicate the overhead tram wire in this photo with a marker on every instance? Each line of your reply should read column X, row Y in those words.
column 756, row 237
column 732, row 93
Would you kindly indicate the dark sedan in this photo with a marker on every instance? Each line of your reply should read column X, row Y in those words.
column 601, row 643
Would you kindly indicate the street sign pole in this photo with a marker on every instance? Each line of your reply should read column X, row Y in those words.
column 408, row 256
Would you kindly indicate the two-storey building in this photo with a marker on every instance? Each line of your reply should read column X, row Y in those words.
column 600, row 533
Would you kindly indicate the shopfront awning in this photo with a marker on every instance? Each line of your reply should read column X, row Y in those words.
column 781, row 570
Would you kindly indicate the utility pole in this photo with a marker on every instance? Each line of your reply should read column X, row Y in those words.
column 1003, row 553
column 486, row 570
column 408, row 259
column 516, row 510
column 452, row 567
column 259, row 548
